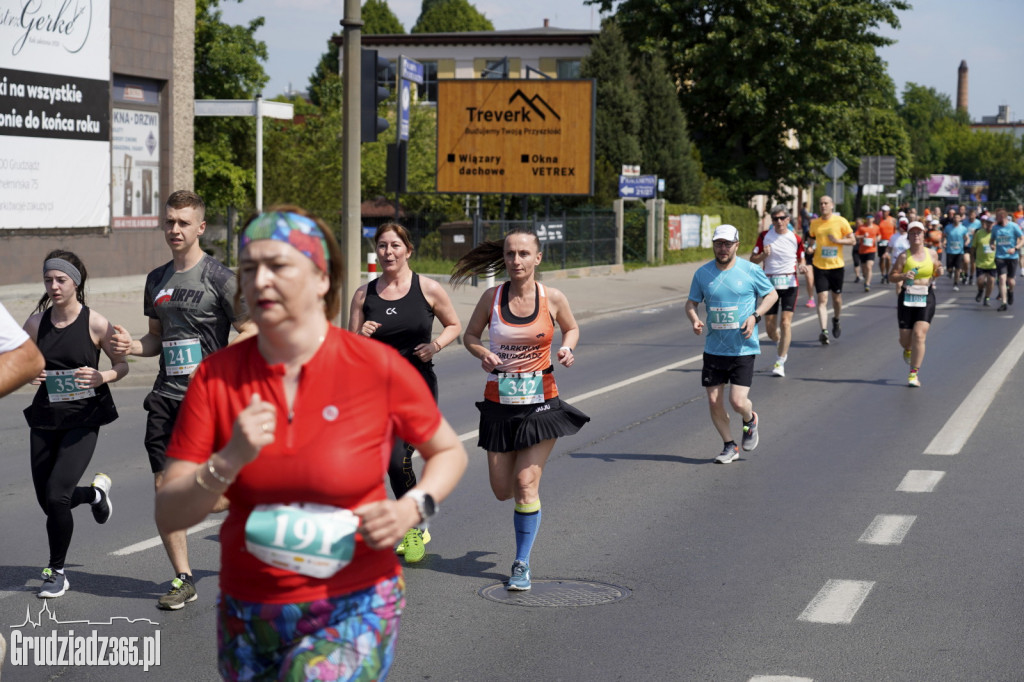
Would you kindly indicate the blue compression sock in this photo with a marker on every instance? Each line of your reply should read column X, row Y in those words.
column 526, row 522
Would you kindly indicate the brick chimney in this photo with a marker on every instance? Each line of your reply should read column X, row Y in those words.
column 546, row 23
column 961, row 87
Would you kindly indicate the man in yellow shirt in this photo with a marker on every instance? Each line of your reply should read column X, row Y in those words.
column 830, row 233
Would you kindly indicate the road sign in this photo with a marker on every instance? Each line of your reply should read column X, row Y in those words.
column 550, row 232
column 404, row 102
column 410, row 70
column 834, row 168
column 877, row 170
column 836, row 190
column 369, row 231
column 641, row 187
column 630, row 170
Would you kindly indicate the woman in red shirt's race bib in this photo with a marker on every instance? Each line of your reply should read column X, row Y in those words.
column 295, row 426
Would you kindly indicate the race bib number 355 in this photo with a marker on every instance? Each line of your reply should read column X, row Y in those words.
column 315, row 540
column 182, row 357
column 61, row 386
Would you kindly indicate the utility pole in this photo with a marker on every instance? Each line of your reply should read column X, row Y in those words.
column 351, row 223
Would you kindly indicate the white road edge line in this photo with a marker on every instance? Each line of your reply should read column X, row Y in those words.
column 780, row 678
column 951, row 439
column 917, row 481
column 153, row 542
column 837, row 602
column 887, row 529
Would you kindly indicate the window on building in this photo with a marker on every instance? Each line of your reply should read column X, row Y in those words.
column 568, row 68
column 495, row 68
column 386, row 79
column 428, row 91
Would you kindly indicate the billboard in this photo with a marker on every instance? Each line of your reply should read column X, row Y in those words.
column 943, row 185
column 976, row 190
column 515, row 136
column 54, row 113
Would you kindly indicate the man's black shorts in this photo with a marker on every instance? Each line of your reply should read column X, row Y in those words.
column 786, row 301
column 1008, row 266
column 829, row 280
column 867, row 256
column 727, row 369
column 954, row 261
column 163, row 412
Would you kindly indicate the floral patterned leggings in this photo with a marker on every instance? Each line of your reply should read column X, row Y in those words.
column 351, row 637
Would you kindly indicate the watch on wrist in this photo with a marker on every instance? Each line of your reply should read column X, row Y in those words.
column 757, row 318
column 424, row 503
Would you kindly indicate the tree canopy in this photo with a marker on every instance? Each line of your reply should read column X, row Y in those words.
column 756, row 74
column 450, row 16
column 378, row 19
column 227, row 66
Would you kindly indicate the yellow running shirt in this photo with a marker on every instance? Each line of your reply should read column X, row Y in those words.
column 828, row 255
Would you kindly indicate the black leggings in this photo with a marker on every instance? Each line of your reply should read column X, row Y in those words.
column 400, row 471
column 59, row 459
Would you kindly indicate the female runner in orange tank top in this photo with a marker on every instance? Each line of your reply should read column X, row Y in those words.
column 521, row 414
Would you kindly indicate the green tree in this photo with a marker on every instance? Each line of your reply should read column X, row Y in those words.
column 451, row 16
column 933, row 126
column 325, row 84
column 378, row 19
column 757, row 74
column 227, row 66
column 996, row 157
column 617, row 119
column 665, row 144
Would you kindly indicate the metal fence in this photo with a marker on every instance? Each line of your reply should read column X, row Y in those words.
column 568, row 240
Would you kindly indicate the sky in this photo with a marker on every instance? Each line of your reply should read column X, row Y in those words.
column 934, row 36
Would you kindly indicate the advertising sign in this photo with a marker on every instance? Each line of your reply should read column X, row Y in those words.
column 54, row 113
column 136, row 176
column 976, row 190
column 944, row 185
column 689, row 224
column 515, row 136
column 675, row 233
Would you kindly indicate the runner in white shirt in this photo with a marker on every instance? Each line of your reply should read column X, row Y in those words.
column 20, row 360
column 781, row 252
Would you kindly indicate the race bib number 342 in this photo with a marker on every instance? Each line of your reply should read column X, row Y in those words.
column 520, row 388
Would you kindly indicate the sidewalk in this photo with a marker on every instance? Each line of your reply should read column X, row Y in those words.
column 591, row 292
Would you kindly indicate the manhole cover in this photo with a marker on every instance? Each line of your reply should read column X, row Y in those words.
column 557, row 592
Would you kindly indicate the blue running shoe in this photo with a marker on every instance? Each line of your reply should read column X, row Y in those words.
column 520, row 579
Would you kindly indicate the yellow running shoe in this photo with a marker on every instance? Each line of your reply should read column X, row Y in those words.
column 414, row 549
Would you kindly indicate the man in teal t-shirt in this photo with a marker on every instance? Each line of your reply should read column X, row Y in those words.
column 954, row 236
column 729, row 288
column 1008, row 238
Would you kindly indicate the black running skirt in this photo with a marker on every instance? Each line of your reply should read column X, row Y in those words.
column 505, row 428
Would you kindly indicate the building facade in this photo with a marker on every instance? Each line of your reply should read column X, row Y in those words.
column 96, row 128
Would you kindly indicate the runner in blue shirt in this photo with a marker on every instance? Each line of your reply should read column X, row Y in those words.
column 729, row 288
column 1008, row 239
column 972, row 224
column 954, row 236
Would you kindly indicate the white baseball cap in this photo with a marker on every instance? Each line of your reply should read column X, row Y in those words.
column 885, row 207
column 916, row 225
column 727, row 233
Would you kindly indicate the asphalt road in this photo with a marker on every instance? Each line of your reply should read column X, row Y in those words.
column 809, row 558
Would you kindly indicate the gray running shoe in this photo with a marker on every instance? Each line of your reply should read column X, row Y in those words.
column 836, row 329
column 750, row 437
column 181, row 592
column 729, row 454
column 823, row 337
column 54, row 584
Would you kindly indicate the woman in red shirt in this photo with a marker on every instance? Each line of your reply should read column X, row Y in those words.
column 294, row 426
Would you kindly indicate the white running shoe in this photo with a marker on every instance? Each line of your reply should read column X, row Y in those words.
column 779, row 370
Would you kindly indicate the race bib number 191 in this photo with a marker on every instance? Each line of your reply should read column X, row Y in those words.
column 316, row 540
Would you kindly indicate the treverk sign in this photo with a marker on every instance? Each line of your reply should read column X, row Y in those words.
column 515, row 136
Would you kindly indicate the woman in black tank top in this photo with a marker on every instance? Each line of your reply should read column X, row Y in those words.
column 399, row 309
column 72, row 403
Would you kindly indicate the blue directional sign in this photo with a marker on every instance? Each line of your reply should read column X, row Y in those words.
column 369, row 231
column 404, row 101
column 410, row 70
column 638, row 187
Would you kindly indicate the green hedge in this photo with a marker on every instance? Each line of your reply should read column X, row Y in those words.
column 745, row 220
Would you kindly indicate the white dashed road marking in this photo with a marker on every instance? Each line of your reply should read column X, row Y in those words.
column 780, row 678
column 917, row 481
column 153, row 542
column 887, row 529
column 837, row 602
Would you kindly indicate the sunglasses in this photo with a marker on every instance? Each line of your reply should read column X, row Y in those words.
column 780, row 217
